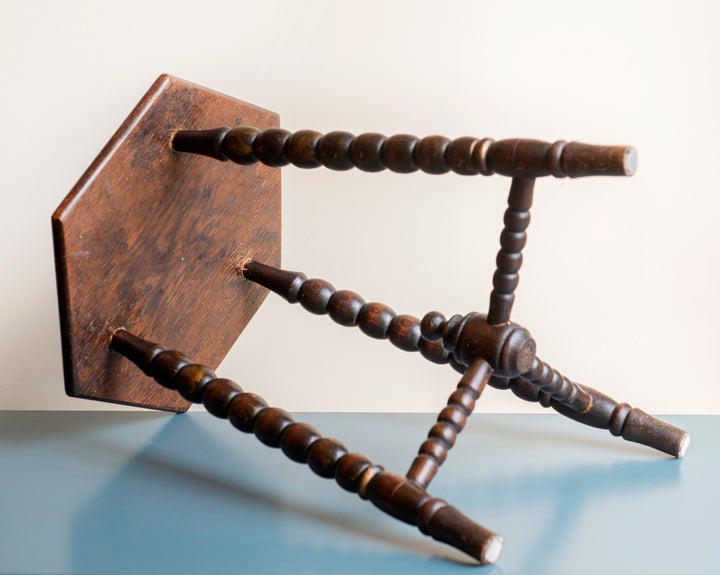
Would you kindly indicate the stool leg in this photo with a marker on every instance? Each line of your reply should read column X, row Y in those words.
column 347, row 308
column 509, row 258
column 541, row 383
column 450, row 422
column 591, row 407
column 327, row 457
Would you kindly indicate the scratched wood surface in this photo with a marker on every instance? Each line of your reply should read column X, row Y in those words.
column 150, row 239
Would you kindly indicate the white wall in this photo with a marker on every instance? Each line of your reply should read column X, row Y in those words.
column 621, row 277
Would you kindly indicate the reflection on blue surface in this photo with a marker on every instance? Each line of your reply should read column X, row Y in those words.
column 142, row 493
column 183, row 506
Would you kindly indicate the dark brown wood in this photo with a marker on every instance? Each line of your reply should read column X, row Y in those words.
column 404, row 332
column 235, row 145
column 210, row 142
column 297, row 439
column 243, row 410
column 269, row 147
column 151, row 239
column 374, row 319
column 601, row 411
column 333, row 150
column 366, row 152
column 269, row 424
column 433, row 351
column 344, row 307
column 407, row 501
column 429, row 155
column 558, row 387
column 324, row 456
column 509, row 258
column 450, row 422
column 510, row 351
column 459, row 156
column 404, row 153
column 144, row 222
column 285, row 283
column 217, row 395
column 327, row 457
column 507, row 347
column 578, row 160
column 314, row 295
column 347, row 308
column 349, row 470
column 301, row 149
column 398, row 153
column 193, row 379
column 533, row 158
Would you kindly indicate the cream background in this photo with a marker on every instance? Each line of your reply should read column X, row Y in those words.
column 621, row 276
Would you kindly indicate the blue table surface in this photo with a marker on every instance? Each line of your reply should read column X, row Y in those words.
column 134, row 492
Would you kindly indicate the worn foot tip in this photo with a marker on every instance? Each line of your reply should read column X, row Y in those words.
column 683, row 446
column 493, row 550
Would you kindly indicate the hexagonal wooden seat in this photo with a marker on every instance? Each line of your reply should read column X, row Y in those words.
column 150, row 240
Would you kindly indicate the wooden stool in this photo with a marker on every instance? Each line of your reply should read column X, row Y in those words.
column 158, row 241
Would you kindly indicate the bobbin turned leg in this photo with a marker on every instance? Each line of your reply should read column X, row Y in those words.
column 450, row 422
column 404, row 153
column 347, row 308
column 327, row 457
column 459, row 341
column 509, row 258
column 510, row 351
column 548, row 387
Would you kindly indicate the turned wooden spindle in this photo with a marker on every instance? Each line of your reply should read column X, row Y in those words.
column 510, row 351
column 603, row 412
column 450, row 422
column 347, row 308
column 509, row 258
column 507, row 347
column 404, row 153
column 487, row 350
column 327, row 457
column 558, row 387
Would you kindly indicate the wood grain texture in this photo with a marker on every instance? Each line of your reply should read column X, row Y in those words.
column 404, row 153
column 150, row 240
column 327, row 457
column 347, row 308
column 506, row 348
column 512, row 242
column 450, row 422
